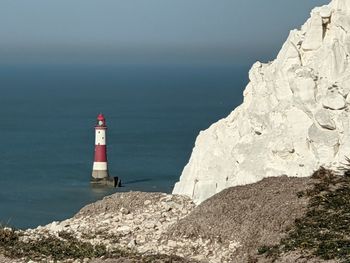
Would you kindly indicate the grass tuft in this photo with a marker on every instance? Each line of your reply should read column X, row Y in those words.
column 66, row 246
column 324, row 231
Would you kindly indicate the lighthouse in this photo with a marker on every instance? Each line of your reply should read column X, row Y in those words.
column 100, row 173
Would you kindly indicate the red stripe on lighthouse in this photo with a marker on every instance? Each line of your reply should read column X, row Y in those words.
column 100, row 153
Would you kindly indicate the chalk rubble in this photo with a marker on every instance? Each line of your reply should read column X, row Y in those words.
column 295, row 114
column 144, row 230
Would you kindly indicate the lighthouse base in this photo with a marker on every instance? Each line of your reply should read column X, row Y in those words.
column 100, row 174
column 107, row 181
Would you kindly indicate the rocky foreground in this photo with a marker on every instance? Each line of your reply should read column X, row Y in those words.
column 240, row 224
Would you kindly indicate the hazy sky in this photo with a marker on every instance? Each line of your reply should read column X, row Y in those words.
column 131, row 30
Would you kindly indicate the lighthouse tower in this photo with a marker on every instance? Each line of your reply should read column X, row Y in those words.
column 100, row 173
column 100, row 168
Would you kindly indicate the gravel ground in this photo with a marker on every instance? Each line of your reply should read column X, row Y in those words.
column 254, row 215
column 7, row 260
column 132, row 201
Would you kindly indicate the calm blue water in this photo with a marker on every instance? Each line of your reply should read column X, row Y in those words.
column 154, row 114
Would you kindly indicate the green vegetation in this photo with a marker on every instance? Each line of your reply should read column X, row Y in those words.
column 51, row 247
column 324, row 231
column 65, row 247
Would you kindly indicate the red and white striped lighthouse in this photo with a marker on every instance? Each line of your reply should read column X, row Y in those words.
column 100, row 167
column 100, row 175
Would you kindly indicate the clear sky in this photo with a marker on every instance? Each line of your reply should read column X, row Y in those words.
column 107, row 31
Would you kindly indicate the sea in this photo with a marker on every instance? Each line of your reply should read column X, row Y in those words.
column 153, row 113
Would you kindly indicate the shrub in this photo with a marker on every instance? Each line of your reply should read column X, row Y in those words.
column 324, row 231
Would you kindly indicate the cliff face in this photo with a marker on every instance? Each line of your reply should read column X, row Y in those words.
column 295, row 114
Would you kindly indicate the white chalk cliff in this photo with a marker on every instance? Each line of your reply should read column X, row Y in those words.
column 295, row 115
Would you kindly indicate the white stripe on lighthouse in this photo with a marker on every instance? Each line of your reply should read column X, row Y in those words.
column 100, row 138
column 100, row 166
